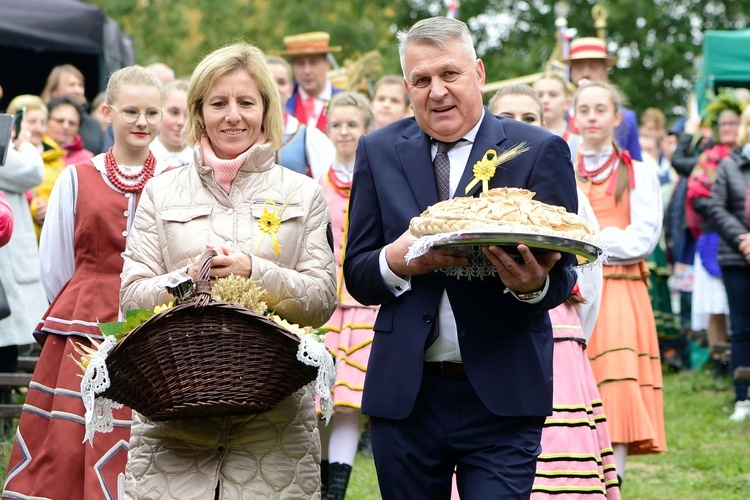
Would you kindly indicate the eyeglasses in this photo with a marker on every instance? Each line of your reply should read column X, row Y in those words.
column 152, row 116
column 63, row 121
column 732, row 123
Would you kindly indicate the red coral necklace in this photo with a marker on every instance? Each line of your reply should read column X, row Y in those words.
column 116, row 175
column 589, row 175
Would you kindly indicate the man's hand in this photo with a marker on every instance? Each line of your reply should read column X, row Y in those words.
column 527, row 274
column 432, row 260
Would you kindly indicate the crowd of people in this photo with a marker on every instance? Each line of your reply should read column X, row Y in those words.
column 100, row 202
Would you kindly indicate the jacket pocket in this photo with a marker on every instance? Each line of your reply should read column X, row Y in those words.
column 185, row 214
column 290, row 211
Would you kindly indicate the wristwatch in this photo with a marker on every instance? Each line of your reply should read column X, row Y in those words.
column 524, row 296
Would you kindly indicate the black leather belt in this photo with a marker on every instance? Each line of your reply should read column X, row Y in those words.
column 446, row 368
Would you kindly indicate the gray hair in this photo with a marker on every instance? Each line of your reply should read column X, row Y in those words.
column 435, row 31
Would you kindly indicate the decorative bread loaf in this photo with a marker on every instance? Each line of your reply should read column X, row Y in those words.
column 504, row 209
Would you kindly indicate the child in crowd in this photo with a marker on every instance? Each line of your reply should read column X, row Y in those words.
column 89, row 216
column 168, row 147
column 350, row 328
column 390, row 102
column 623, row 350
column 576, row 453
column 556, row 96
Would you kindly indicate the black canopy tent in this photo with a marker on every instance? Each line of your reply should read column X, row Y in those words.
column 37, row 35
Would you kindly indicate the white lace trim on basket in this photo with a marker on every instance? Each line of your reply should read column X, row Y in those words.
column 95, row 381
column 313, row 352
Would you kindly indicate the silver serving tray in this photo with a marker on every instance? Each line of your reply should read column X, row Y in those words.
column 586, row 252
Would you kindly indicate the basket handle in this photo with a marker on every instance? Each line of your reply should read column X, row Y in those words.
column 203, row 280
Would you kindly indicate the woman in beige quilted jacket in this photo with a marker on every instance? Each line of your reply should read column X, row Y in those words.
column 235, row 126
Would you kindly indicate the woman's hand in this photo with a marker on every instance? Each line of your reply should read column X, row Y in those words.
column 226, row 261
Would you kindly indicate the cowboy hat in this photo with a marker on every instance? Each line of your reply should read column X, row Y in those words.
column 304, row 44
column 589, row 48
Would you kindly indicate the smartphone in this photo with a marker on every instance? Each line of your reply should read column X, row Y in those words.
column 20, row 115
column 6, row 125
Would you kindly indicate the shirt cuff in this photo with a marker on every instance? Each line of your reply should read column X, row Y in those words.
column 395, row 284
column 539, row 297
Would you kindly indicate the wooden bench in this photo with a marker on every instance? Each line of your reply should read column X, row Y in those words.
column 12, row 381
column 27, row 364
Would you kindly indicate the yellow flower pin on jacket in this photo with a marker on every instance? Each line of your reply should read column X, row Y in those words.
column 485, row 169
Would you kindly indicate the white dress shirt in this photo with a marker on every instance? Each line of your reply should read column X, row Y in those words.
column 445, row 347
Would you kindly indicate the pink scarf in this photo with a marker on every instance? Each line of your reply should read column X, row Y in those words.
column 224, row 170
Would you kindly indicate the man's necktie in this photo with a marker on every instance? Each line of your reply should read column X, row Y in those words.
column 310, row 109
column 443, row 180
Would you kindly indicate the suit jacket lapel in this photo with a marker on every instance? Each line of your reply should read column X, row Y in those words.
column 414, row 152
column 489, row 136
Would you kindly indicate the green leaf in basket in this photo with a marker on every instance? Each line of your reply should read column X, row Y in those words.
column 119, row 329
column 135, row 317
column 116, row 328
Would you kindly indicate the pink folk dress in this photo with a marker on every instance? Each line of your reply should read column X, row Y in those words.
column 350, row 328
column 577, row 459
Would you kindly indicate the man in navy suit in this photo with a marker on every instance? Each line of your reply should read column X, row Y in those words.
column 474, row 400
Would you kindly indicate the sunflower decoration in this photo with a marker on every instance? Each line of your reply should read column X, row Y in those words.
column 269, row 224
column 721, row 102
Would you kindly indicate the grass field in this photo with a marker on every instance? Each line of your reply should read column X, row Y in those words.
column 708, row 457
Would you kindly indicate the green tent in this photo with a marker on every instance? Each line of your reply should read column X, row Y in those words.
column 726, row 63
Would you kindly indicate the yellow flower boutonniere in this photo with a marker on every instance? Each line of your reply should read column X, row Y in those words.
column 269, row 224
column 485, row 168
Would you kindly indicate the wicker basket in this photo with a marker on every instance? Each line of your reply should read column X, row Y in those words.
column 203, row 359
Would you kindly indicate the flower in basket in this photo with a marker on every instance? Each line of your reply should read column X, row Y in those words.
column 236, row 290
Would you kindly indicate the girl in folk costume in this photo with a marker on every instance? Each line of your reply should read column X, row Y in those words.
column 89, row 215
column 577, row 457
column 168, row 147
column 350, row 328
column 556, row 96
column 624, row 350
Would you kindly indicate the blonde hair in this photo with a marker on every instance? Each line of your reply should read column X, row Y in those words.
column 623, row 174
column 743, row 134
column 567, row 87
column 179, row 84
column 131, row 75
column 238, row 56
column 654, row 115
column 53, row 80
column 280, row 61
column 355, row 100
column 28, row 101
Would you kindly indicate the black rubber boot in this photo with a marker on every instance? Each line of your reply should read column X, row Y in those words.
column 324, row 479
column 338, row 481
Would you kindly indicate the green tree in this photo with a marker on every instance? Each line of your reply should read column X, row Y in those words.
column 658, row 41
